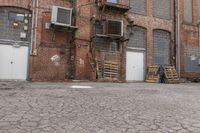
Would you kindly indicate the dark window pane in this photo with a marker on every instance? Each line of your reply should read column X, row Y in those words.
column 114, row 27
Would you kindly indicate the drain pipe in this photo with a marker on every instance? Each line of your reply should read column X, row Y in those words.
column 178, row 35
column 199, row 43
column 32, row 26
column 36, row 25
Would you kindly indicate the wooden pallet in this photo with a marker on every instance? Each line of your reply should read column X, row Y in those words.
column 110, row 69
column 99, row 69
column 152, row 76
column 171, row 75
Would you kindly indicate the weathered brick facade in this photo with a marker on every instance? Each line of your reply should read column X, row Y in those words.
column 47, row 43
column 189, row 38
column 156, row 17
column 76, row 49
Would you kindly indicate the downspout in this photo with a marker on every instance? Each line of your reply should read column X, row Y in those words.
column 73, row 45
column 199, row 43
column 177, row 6
column 36, row 24
column 32, row 26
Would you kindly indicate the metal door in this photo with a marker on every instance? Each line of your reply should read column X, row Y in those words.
column 5, row 61
column 135, row 66
column 14, row 62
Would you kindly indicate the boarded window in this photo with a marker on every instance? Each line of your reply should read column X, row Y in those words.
column 137, row 37
column 188, row 11
column 139, row 6
column 161, row 47
column 161, row 8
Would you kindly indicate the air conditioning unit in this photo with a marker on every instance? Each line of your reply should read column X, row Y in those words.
column 112, row 1
column 61, row 16
column 114, row 28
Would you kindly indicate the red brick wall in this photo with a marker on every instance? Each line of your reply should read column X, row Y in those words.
column 48, row 44
column 82, row 40
column 42, row 68
column 150, row 23
column 189, row 37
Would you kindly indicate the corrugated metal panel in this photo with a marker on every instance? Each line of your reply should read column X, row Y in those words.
column 188, row 11
column 161, row 48
column 137, row 37
column 161, row 8
column 139, row 6
column 191, row 59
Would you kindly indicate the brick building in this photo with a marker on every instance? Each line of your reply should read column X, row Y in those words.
column 188, row 38
column 152, row 32
column 106, row 39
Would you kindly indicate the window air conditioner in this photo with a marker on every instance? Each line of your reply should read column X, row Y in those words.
column 61, row 16
column 112, row 1
column 115, row 28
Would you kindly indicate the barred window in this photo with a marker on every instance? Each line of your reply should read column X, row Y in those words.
column 139, row 6
column 162, row 8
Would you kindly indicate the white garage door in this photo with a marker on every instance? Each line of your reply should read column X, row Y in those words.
column 13, row 62
column 135, row 66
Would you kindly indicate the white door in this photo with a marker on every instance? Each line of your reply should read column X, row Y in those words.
column 135, row 66
column 5, row 61
column 13, row 62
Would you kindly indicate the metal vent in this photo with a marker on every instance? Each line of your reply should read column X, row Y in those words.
column 115, row 28
column 61, row 16
column 112, row 1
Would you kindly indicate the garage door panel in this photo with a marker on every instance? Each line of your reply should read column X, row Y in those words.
column 161, row 47
column 5, row 62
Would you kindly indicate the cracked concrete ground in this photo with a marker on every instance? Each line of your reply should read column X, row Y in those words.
column 105, row 108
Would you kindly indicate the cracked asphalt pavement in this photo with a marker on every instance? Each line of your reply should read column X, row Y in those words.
column 99, row 108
